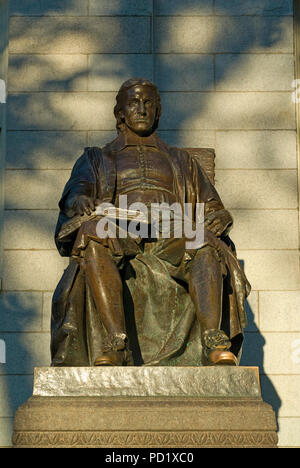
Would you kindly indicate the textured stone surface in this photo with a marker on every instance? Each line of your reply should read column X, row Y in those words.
column 256, row 149
column 198, row 76
column 65, row 111
column 254, row 7
column 160, row 417
column 120, row 7
column 254, row 72
column 47, row 72
column 49, row 7
column 74, row 35
column 23, row 352
column 252, row 132
column 227, row 111
column 265, row 229
column 147, row 381
column 42, row 273
column 259, row 189
column 25, row 229
column 106, row 72
column 219, row 34
column 44, row 150
column 39, row 189
column 20, row 311
column 279, row 311
column 188, row 7
column 271, row 270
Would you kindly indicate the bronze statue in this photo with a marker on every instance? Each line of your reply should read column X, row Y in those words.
column 144, row 300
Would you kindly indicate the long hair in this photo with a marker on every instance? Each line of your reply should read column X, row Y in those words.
column 120, row 99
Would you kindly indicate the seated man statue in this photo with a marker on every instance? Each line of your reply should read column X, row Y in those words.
column 144, row 299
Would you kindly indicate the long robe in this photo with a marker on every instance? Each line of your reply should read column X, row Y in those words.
column 160, row 316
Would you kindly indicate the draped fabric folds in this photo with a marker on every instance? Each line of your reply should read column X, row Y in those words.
column 160, row 316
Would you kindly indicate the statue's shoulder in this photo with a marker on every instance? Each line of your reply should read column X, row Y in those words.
column 180, row 155
column 95, row 154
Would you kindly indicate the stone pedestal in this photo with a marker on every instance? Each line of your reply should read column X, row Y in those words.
column 160, row 407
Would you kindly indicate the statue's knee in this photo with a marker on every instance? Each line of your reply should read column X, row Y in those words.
column 96, row 254
column 207, row 254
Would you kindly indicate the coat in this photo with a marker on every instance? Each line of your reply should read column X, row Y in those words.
column 172, row 330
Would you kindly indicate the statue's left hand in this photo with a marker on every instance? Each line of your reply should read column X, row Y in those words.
column 218, row 222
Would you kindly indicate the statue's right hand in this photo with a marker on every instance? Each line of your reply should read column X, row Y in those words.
column 84, row 204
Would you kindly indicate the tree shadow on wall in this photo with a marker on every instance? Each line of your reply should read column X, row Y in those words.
column 253, row 356
column 57, row 118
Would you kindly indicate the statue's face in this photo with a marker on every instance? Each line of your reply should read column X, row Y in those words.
column 139, row 109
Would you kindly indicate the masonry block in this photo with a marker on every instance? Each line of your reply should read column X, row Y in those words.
column 48, row 73
column 254, row 72
column 34, row 270
column 121, row 7
column 223, row 34
column 271, row 269
column 73, row 35
column 48, row 7
column 20, row 311
column 262, row 149
column 259, row 189
column 44, row 150
column 254, row 7
column 108, row 71
column 37, row 189
column 265, row 229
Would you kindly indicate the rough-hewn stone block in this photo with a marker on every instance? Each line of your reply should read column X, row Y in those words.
column 108, row 72
column 71, row 35
column 254, row 72
column 256, row 149
column 47, row 73
column 196, row 382
column 223, row 34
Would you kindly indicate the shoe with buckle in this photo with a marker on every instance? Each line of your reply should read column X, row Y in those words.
column 216, row 345
column 114, row 351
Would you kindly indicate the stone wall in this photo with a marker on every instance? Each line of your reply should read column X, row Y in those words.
column 225, row 70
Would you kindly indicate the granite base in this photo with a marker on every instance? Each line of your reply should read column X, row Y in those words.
column 143, row 407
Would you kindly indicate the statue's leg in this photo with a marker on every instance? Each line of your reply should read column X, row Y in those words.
column 105, row 283
column 206, row 290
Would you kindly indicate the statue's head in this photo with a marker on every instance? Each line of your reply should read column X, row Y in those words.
column 138, row 106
